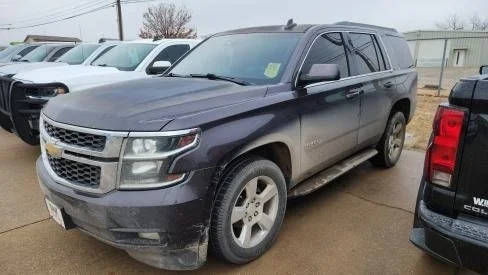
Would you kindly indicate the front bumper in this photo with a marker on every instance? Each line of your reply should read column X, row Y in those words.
column 455, row 241
column 180, row 214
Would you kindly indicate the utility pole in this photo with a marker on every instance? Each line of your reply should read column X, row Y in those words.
column 119, row 19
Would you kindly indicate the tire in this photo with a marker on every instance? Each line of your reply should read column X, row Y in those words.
column 261, row 217
column 388, row 155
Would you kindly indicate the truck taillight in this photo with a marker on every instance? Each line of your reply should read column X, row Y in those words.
column 448, row 124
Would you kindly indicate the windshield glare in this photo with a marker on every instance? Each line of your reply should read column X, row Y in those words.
column 38, row 54
column 78, row 54
column 9, row 51
column 258, row 58
column 125, row 57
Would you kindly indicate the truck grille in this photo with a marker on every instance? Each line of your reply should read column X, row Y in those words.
column 4, row 94
column 75, row 172
column 93, row 142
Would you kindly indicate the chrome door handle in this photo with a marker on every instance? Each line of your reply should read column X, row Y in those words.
column 353, row 93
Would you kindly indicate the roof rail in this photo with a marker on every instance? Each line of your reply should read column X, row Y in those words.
column 347, row 23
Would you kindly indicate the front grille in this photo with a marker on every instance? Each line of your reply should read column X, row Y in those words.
column 4, row 93
column 75, row 172
column 90, row 141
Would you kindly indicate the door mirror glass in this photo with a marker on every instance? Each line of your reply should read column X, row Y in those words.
column 159, row 67
column 320, row 73
column 17, row 57
column 484, row 69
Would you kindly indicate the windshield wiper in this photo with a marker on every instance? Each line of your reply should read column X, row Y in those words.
column 102, row 65
column 176, row 75
column 226, row 78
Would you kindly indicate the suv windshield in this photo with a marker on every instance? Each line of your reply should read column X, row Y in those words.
column 125, row 57
column 258, row 58
column 38, row 54
column 9, row 50
column 78, row 54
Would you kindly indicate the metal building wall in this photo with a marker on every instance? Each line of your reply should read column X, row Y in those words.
column 427, row 47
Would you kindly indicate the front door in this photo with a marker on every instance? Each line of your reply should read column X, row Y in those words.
column 329, row 110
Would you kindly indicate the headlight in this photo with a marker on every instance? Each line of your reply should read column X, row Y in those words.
column 146, row 160
column 46, row 91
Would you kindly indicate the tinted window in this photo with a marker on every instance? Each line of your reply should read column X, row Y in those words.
column 26, row 50
column 381, row 56
column 172, row 53
column 78, row 54
column 367, row 60
column 328, row 49
column 399, row 52
column 59, row 53
column 259, row 58
column 125, row 57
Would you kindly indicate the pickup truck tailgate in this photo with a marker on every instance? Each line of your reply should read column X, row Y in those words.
column 472, row 182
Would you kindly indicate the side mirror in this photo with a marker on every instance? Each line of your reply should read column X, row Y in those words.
column 320, row 73
column 159, row 67
column 484, row 69
column 17, row 57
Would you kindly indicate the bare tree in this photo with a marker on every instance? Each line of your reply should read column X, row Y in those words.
column 477, row 24
column 452, row 22
column 167, row 21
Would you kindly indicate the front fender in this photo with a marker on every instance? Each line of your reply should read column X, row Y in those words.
column 227, row 138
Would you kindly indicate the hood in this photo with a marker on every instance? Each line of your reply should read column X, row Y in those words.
column 16, row 68
column 146, row 105
column 78, row 77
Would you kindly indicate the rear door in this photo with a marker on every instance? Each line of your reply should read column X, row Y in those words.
column 373, row 69
column 472, row 182
column 329, row 110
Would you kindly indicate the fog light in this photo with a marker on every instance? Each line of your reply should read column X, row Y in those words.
column 150, row 235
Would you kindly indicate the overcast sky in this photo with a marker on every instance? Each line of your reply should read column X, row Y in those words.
column 210, row 16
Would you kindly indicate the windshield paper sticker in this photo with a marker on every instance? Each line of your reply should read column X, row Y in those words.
column 272, row 70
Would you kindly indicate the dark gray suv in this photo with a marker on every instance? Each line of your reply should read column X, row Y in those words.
column 209, row 153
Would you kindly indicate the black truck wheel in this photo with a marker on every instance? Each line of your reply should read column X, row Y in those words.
column 249, row 210
column 390, row 145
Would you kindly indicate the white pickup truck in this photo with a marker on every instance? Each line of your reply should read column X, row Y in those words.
column 82, row 54
column 23, row 96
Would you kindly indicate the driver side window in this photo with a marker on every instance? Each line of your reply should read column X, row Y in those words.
column 328, row 48
column 172, row 53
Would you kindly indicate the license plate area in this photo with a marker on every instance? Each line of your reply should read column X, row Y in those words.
column 56, row 213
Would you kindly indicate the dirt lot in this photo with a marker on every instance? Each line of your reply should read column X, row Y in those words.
column 420, row 127
column 357, row 225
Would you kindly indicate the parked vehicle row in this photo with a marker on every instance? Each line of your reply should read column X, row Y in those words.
column 60, row 55
column 207, row 154
column 26, row 92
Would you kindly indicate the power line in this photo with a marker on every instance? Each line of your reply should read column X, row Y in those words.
column 59, row 12
column 62, row 16
column 61, row 19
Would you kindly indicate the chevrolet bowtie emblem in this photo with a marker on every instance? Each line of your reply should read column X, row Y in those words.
column 53, row 150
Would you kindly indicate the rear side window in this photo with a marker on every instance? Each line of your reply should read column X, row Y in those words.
column 399, row 52
column 59, row 53
column 27, row 50
column 172, row 53
column 368, row 57
column 328, row 49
